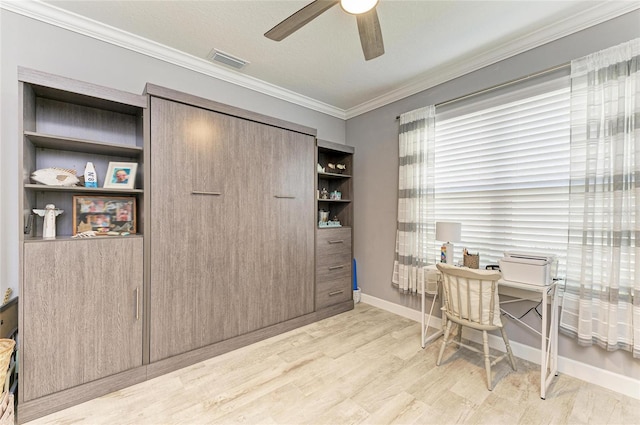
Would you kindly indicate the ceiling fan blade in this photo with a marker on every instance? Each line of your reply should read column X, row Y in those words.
column 370, row 34
column 299, row 19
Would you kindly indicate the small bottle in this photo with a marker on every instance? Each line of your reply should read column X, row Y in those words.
column 90, row 177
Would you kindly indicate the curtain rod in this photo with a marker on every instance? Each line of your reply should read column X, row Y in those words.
column 501, row 85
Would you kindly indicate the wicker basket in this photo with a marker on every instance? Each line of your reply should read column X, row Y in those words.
column 6, row 350
column 7, row 413
column 472, row 261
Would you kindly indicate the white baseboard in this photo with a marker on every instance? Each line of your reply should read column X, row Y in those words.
column 593, row 375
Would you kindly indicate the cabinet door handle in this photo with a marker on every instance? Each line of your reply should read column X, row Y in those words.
column 137, row 304
column 336, row 241
column 336, row 267
column 200, row 192
column 284, row 197
column 331, row 294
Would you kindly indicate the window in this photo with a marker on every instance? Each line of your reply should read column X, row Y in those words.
column 502, row 169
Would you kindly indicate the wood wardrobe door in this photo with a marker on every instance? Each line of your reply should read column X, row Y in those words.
column 290, row 189
column 274, row 253
column 191, row 198
column 82, row 312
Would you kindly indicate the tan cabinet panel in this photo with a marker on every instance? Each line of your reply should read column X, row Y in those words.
column 82, row 318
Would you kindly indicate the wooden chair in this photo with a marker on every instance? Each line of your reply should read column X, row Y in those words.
column 470, row 298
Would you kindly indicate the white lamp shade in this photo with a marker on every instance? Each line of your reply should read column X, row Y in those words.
column 448, row 231
column 357, row 7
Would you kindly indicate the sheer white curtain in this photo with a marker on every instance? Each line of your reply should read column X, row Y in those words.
column 416, row 224
column 601, row 304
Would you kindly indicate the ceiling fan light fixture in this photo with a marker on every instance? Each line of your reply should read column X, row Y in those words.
column 358, row 7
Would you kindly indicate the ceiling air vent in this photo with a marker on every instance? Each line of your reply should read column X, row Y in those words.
column 226, row 59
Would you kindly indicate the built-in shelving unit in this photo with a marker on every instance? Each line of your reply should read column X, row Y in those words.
column 334, row 250
column 79, row 295
column 335, row 153
column 110, row 303
column 65, row 124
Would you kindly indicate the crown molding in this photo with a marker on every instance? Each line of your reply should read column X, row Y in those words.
column 544, row 35
column 58, row 17
column 52, row 15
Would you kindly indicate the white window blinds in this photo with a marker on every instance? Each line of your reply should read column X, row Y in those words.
column 502, row 169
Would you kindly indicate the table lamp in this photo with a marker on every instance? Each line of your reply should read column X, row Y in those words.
column 447, row 231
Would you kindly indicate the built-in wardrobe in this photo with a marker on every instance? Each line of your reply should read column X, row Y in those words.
column 223, row 253
column 232, row 205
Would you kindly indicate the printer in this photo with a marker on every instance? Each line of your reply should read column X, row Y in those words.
column 532, row 269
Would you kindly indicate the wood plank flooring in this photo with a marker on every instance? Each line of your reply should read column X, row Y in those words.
column 364, row 366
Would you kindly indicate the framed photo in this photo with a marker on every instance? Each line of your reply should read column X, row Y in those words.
column 121, row 175
column 104, row 214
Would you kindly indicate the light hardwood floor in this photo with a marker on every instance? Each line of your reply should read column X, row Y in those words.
column 363, row 366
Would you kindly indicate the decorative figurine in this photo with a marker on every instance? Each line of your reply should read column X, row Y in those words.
column 324, row 194
column 50, row 212
column 90, row 176
column 323, row 216
column 341, row 168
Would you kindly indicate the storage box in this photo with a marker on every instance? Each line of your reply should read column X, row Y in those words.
column 532, row 269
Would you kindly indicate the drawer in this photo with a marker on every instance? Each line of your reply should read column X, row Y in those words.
column 333, row 292
column 333, row 246
column 335, row 271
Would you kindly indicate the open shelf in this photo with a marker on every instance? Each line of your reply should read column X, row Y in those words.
column 333, row 175
column 49, row 141
column 335, row 200
column 79, row 189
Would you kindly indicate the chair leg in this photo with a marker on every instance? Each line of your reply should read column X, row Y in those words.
column 487, row 360
column 444, row 342
column 509, row 352
column 459, row 337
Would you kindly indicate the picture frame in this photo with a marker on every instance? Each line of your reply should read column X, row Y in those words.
column 121, row 175
column 105, row 215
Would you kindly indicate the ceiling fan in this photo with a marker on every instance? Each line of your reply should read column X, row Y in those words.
column 364, row 11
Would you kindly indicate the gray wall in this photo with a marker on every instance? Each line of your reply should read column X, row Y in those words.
column 33, row 44
column 375, row 137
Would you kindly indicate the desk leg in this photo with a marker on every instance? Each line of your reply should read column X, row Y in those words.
column 422, row 329
column 554, row 331
column 543, row 349
column 549, row 364
column 425, row 326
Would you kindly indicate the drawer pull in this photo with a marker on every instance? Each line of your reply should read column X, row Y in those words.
column 336, row 267
column 336, row 241
column 284, row 197
column 200, row 192
column 331, row 294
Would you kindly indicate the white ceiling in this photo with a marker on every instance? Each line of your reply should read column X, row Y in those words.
column 322, row 65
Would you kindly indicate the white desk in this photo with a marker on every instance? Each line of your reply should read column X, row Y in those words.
column 520, row 292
